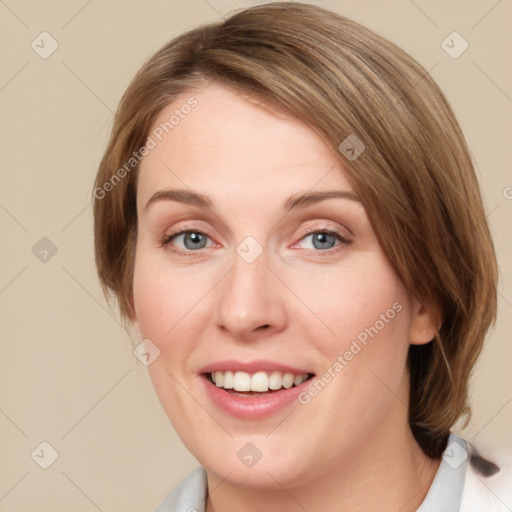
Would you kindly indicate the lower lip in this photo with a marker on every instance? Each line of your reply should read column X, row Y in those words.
column 252, row 407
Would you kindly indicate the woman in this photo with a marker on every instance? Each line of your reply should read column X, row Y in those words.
column 288, row 214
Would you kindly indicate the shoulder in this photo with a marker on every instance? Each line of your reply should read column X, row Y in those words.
column 488, row 483
column 188, row 496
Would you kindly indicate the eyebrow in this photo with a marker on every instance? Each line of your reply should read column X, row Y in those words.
column 292, row 203
column 180, row 196
column 309, row 198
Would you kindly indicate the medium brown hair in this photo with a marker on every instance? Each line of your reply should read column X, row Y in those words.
column 415, row 177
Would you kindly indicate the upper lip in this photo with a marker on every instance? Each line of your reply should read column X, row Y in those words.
column 251, row 367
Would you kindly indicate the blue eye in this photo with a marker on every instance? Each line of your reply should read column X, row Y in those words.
column 190, row 240
column 323, row 240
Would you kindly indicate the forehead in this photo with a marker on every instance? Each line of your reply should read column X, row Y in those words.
column 228, row 143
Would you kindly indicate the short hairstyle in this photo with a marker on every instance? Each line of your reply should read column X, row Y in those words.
column 415, row 176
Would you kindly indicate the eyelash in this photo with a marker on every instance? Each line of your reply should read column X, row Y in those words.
column 167, row 239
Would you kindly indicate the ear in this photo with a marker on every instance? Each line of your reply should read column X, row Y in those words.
column 424, row 323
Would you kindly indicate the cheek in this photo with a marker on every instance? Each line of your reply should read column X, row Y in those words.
column 172, row 308
column 160, row 303
column 164, row 307
column 162, row 296
column 355, row 297
column 365, row 320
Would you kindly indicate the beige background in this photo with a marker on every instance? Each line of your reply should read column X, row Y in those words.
column 67, row 373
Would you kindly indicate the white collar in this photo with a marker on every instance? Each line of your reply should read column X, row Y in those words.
column 445, row 493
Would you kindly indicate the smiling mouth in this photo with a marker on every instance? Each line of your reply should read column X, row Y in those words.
column 258, row 383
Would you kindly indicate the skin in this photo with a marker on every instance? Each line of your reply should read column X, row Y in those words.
column 350, row 447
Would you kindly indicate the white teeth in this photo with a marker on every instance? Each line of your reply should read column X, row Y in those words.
column 229, row 380
column 275, row 380
column 288, row 380
column 259, row 381
column 299, row 379
column 242, row 382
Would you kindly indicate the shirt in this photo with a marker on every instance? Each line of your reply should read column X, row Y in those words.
column 464, row 482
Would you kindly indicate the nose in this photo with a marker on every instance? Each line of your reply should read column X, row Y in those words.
column 250, row 301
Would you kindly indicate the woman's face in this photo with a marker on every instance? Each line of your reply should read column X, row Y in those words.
column 257, row 263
